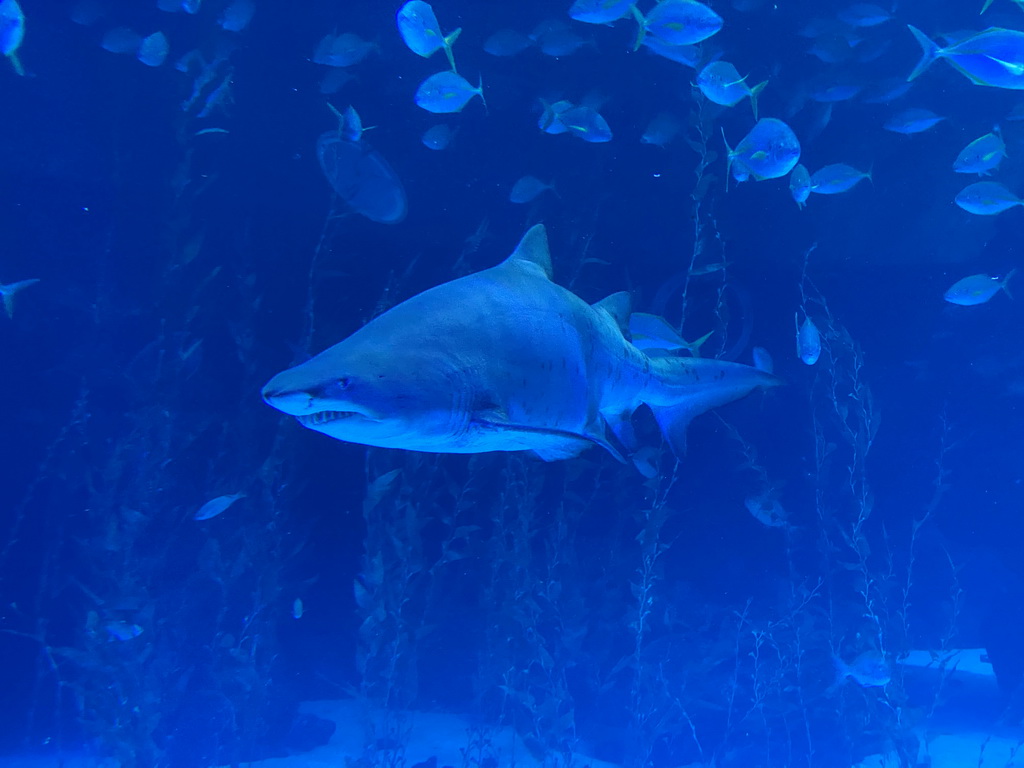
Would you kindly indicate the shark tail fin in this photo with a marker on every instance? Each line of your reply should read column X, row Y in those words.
column 929, row 52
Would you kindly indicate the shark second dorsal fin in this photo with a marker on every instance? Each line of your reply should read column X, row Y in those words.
column 618, row 306
column 533, row 250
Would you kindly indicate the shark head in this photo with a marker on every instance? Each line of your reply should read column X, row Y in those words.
column 365, row 393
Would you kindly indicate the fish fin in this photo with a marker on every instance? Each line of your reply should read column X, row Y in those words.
column 985, row 7
column 480, row 92
column 1002, row 283
column 558, row 444
column 1009, row 66
column 618, row 306
column 673, row 421
column 9, row 304
column 16, row 63
column 929, row 52
column 694, row 346
column 533, row 250
column 449, row 41
column 728, row 159
column 754, row 93
column 641, row 27
column 621, row 425
column 558, row 451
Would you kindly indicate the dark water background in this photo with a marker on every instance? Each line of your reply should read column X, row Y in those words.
column 112, row 437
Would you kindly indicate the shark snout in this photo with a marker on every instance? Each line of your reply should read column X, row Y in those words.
column 294, row 402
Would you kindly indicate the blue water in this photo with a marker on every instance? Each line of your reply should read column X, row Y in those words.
column 596, row 612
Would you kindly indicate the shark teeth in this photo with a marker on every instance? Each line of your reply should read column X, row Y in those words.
column 323, row 417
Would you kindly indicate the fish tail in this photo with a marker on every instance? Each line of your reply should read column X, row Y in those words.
column 728, row 159
column 685, row 387
column 929, row 52
column 1005, row 281
column 694, row 346
column 449, row 41
column 480, row 91
column 641, row 26
column 754, row 92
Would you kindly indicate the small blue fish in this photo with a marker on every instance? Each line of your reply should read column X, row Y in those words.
column 342, row 50
column 678, row 22
column 153, row 50
column 653, row 333
column 12, row 32
column 808, row 340
column 661, row 130
column 600, row 11
column 421, row 32
column 767, row 510
column 237, row 15
column 437, row 137
column 550, row 119
column 555, row 38
column 214, row 507
column 833, row 94
column 121, row 40
column 721, row 83
column 994, row 57
column 981, row 155
column 913, row 120
column 870, row 670
column 977, row 289
column 886, row 91
column 771, row 150
column 836, row 178
column 507, row 42
column 527, row 189
column 122, row 630
column 800, row 185
column 447, row 92
column 864, row 15
column 987, row 198
column 350, row 124
column 587, row 124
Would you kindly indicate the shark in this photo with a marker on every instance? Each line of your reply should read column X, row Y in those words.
column 504, row 359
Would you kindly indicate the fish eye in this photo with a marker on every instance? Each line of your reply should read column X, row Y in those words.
column 344, row 381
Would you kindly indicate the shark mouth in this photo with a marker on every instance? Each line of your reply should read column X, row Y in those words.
column 320, row 418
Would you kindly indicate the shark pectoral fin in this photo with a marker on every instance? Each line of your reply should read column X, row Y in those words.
column 558, row 450
column 618, row 306
column 674, row 421
column 552, row 444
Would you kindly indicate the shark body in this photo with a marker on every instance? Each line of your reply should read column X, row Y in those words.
column 503, row 360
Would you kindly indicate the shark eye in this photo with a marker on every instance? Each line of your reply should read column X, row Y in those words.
column 344, row 381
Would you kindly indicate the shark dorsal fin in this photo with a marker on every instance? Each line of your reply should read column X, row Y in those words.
column 618, row 306
column 533, row 250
